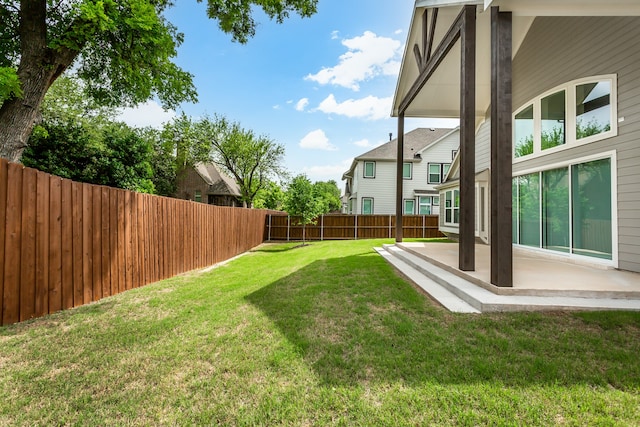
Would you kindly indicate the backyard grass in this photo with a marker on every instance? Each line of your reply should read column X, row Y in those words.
column 325, row 334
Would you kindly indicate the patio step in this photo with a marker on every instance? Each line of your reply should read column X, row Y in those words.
column 444, row 284
column 447, row 299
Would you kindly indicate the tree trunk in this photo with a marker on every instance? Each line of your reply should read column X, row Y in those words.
column 39, row 67
column 18, row 115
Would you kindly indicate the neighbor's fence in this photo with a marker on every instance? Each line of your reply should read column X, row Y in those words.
column 342, row 227
column 64, row 243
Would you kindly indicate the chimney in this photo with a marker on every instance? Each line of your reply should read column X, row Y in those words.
column 390, row 136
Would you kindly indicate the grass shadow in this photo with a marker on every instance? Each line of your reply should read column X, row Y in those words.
column 355, row 321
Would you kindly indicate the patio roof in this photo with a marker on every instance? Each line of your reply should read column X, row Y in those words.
column 440, row 95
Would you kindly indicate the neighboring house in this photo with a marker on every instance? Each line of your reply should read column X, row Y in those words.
column 205, row 183
column 549, row 112
column 371, row 180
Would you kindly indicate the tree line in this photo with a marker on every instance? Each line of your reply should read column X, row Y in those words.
column 79, row 140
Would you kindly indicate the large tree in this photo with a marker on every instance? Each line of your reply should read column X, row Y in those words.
column 302, row 202
column 252, row 160
column 122, row 49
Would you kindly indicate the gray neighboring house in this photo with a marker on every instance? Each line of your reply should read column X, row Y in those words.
column 371, row 180
column 575, row 119
column 205, row 183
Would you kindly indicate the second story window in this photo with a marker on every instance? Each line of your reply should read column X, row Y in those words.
column 369, row 169
column 437, row 172
column 407, row 170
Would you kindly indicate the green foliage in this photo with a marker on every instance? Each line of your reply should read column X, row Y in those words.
column 113, row 155
column 592, row 127
column 188, row 139
column 163, row 162
column 270, row 197
column 66, row 102
column 9, row 84
column 302, row 202
column 329, row 195
column 235, row 17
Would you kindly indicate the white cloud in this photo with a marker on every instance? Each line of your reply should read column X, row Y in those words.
column 148, row 114
column 364, row 143
column 276, row 107
column 335, row 34
column 398, row 31
column 302, row 104
column 368, row 56
column 317, row 140
column 370, row 108
column 326, row 172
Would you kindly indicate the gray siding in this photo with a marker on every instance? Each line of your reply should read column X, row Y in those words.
column 561, row 49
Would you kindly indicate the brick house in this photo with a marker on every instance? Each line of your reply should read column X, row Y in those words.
column 205, row 183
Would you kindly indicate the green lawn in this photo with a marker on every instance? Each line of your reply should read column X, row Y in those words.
column 325, row 334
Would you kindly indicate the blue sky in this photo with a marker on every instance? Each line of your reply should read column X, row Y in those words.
column 322, row 86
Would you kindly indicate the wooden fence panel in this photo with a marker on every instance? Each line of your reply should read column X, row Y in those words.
column 66, row 240
column 64, row 244
column 42, row 244
column 28, row 247
column 338, row 227
column 3, row 219
column 13, row 236
column 55, row 245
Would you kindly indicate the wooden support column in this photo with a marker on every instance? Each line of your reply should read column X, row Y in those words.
column 466, row 248
column 501, row 149
column 399, row 180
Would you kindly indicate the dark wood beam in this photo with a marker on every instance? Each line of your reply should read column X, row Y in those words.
column 432, row 33
column 399, row 180
column 501, row 146
column 416, row 53
column 452, row 36
column 425, row 37
column 466, row 248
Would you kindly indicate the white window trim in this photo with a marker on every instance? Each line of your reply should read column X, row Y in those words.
column 441, row 172
column 452, row 208
column 570, row 120
column 364, row 169
column 429, row 204
column 614, row 209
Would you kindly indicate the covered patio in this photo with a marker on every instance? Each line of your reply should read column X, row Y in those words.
column 534, row 273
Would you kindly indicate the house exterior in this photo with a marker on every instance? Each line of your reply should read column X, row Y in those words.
column 371, row 179
column 547, row 96
column 205, row 183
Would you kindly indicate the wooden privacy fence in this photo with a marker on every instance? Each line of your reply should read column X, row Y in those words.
column 64, row 243
column 339, row 227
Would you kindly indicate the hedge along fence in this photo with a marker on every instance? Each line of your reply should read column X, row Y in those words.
column 341, row 227
column 64, row 244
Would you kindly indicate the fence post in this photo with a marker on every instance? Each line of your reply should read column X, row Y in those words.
column 321, row 228
column 424, row 217
column 355, row 230
column 389, row 226
column 288, row 226
column 269, row 227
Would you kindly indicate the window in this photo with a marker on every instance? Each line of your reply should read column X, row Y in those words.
column 369, row 169
column 437, row 172
column 409, row 206
column 553, row 118
column 566, row 209
column 452, row 206
column 436, row 200
column 407, row 169
column 578, row 112
column 367, row 205
column 424, row 205
column 523, row 138
column 593, row 109
column 198, row 196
